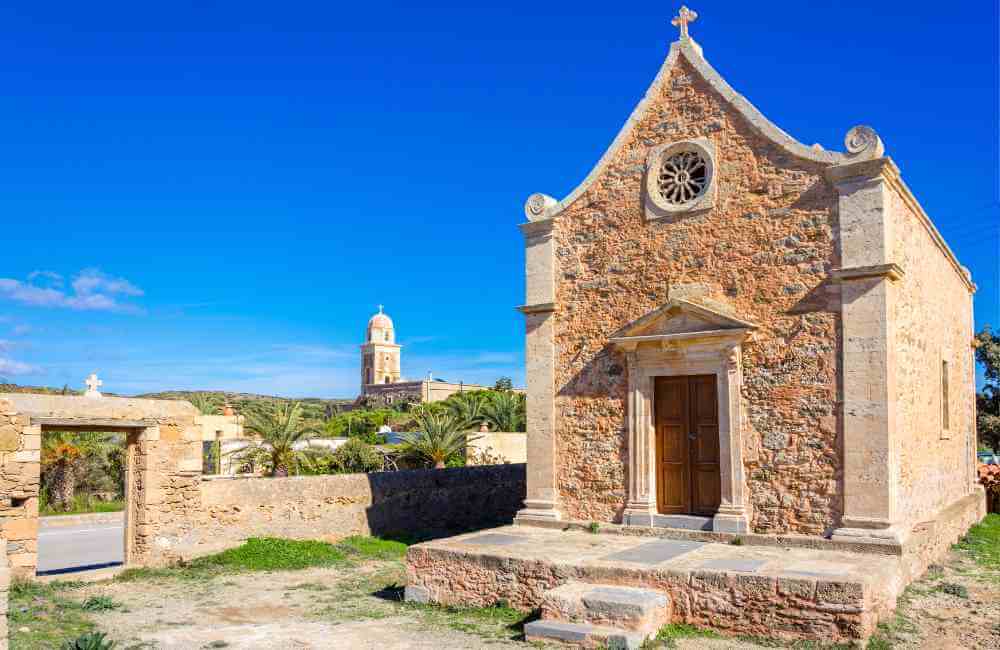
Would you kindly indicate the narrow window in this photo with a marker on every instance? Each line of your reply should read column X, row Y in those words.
column 945, row 424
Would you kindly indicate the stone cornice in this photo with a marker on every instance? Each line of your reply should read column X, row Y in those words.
column 736, row 335
column 886, row 169
column 536, row 229
column 97, row 423
column 861, row 170
column 891, row 271
column 540, row 308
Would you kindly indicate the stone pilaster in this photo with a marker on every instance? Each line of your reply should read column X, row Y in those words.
column 542, row 500
column 868, row 274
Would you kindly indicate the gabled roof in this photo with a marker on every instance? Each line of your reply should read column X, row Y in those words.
column 861, row 142
column 680, row 320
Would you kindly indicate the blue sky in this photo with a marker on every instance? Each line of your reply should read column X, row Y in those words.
column 217, row 195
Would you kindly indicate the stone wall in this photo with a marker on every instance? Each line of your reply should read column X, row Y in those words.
column 512, row 447
column 416, row 504
column 19, row 484
column 164, row 464
column 932, row 320
column 766, row 249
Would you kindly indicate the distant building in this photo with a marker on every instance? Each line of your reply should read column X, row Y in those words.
column 380, row 369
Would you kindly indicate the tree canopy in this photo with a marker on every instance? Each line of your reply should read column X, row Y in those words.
column 988, row 400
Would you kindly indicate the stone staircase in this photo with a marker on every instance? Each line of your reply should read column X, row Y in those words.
column 599, row 616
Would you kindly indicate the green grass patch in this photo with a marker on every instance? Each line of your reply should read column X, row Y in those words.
column 496, row 622
column 275, row 554
column 100, row 604
column 373, row 548
column 983, row 542
column 44, row 615
column 82, row 504
column 669, row 634
column 272, row 554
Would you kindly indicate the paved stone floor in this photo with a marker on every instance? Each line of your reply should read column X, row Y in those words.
column 797, row 592
column 627, row 552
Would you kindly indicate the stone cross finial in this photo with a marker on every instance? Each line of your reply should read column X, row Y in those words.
column 93, row 383
column 684, row 18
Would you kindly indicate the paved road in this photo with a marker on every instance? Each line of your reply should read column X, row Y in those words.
column 71, row 548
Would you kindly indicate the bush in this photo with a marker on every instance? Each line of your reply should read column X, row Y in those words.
column 90, row 641
column 353, row 457
column 363, row 425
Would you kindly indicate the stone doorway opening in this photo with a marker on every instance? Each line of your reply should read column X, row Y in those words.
column 162, row 459
column 688, row 477
column 84, row 461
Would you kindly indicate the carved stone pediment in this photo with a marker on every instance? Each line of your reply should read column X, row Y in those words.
column 682, row 322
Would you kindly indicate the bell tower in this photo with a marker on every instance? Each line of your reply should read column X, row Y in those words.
column 379, row 352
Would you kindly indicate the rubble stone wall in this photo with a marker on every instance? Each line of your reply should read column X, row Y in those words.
column 413, row 503
column 766, row 249
column 731, row 603
column 164, row 464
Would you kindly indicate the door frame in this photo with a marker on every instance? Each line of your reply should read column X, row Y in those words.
column 697, row 354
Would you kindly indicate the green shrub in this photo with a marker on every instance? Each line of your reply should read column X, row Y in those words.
column 355, row 457
column 90, row 641
column 100, row 604
column 361, row 424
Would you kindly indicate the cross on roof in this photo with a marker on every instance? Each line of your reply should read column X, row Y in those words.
column 93, row 383
column 684, row 17
column 380, row 309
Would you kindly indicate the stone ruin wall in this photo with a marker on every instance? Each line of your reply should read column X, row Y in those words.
column 164, row 468
column 174, row 513
column 224, row 512
column 932, row 321
column 767, row 249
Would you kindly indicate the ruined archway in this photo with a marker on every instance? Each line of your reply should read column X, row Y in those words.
column 163, row 467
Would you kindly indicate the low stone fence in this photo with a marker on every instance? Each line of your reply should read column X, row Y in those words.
column 419, row 504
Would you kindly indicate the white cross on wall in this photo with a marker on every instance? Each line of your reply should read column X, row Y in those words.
column 684, row 17
column 93, row 383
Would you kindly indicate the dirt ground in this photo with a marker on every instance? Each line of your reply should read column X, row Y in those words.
column 956, row 606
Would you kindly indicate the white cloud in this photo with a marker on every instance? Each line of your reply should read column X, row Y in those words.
column 21, row 329
column 11, row 367
column 92, row 291
column 92, row 281
column 49, row 278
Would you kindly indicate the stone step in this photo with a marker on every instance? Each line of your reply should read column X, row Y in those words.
column 628, row 608
column 583, row 635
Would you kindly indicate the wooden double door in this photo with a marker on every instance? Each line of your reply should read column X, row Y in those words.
column 686, row 412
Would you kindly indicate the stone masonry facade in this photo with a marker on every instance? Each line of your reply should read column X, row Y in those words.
column 767, row 249
column 809, row 282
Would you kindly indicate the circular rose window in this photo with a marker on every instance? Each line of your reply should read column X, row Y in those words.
column 683, row 177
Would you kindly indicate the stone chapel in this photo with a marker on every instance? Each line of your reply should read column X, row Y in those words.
column 729, row 330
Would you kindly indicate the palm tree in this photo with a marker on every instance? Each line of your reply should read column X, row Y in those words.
column 468, row 409
column 65, row 458
column 440, row 436
column 59, row 458
column 506, row 411
column 278, row 425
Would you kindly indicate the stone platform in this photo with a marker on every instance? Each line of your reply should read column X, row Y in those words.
column 736, row 589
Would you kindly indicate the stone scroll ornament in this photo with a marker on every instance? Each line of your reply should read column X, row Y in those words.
column 538, row 206
column 863, row 143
